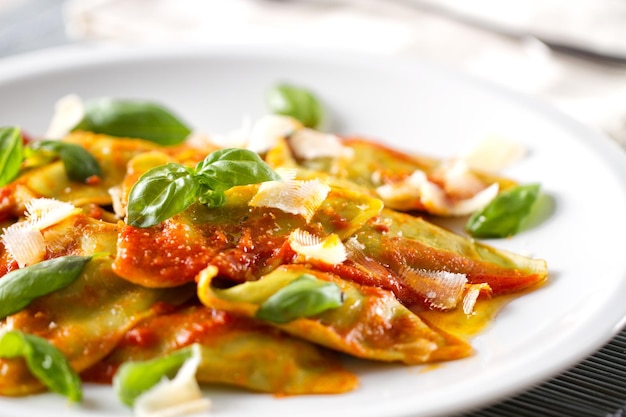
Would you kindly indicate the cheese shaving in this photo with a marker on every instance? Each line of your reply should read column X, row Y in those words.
column 45, row 212
column 459, row 180
column 356, row 254
column 311, row 247
column 268, row 129
column 237, row 138
column 293, row 196
column 24, row 240
column 68, row 112
column 119, row 208
column 310, row 144
column 25, row 244
column 442, row 289
column 471, row 296
column 176, row 397
column 469, row 301
column 494, row 154
column 475, row 203
column 417, row 190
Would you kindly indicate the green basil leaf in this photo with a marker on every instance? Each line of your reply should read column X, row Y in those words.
column 79, row 163
column 504, row 215
column 134, row 119
column 161, row 193
column 296, row 102
column 227, row 168
column 212, row 198
column 134, row 378
column 304, row 297
column 44, row 361
column 20, row 287
column 169, row 189
column 11, row 153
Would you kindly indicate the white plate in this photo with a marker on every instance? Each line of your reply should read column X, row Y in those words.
column 411, row 105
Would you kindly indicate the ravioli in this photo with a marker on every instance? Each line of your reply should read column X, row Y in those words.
column 354, row 328
column 85, row 321
column 236, row 351
column 201, row 275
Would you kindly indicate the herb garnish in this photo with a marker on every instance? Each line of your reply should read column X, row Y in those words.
column 136, row 377
column 169, row 189
column 297, row 102
column 11, row 153
column 79, row 164
column 44, row 361
column 134, row 119
column 504, row 215
column 306, row 296
column 20, row 287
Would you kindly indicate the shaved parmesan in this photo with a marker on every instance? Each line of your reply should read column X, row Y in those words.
column 310, row 247
column 45, row 212
column 119, row 208
column 293, row 196
column 469, row 301
column 356, row 254
column 417, row 190
column 24, row 240
column 494, row 154
column 25, row 244
column 471, row 296
column 477, row 202
column 68, row 112
column 310, row 144
column 237, row 138
column 268, row 129
column 176, row 397
column 287, row 173
column 442, row 289
column 459, row 180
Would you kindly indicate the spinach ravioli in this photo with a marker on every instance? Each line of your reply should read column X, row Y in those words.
column 277, row 259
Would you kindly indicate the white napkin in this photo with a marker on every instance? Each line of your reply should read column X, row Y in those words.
column 594, row 94
column 599, row 25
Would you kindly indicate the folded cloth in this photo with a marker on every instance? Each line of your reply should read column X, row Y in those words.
column 598, row 25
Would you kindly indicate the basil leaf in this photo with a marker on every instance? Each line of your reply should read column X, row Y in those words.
column 11, row 153
column 20, row 287
column 161, row 193
column 212, row 198
column 44, row 361
column 134, row 119
column 227, row 168
column 79, row 163
column 134, row 378
column 169, row 189
column 304, row 297
column 505, row 214
column 296, row 102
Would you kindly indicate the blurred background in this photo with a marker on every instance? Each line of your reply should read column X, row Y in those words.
column 571, row 53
